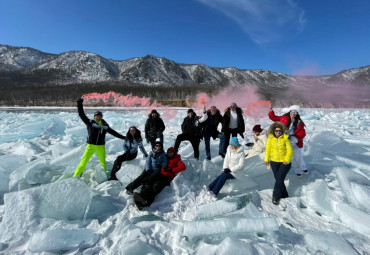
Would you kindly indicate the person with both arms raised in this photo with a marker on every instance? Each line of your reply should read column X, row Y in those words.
column 96, row 129
column 132, row 142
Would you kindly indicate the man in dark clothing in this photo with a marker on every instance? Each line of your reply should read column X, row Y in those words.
column 233, row 123
column 96, row 129
column 191, row 131
column 209, row 129
column 154, row 128
column 155, row 184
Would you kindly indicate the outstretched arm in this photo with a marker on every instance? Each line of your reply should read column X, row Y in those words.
column 115, row 133
column 81, row 112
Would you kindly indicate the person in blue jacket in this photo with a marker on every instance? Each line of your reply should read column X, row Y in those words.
column 154, row 163
column 132, row 142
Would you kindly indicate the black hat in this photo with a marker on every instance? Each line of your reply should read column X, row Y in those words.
column 98, row 113
column 191, row 111
column 154, row 111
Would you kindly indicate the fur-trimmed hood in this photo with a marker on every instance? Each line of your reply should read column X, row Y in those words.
column 275, row 125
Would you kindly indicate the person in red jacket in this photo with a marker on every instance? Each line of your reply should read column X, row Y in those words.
column 292, row 120
column 157, row 183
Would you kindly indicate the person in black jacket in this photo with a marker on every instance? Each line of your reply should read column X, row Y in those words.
column 154, row 128
column 209, row 129
column 233, row 123
column 131, row 145
column 191, row 131
column 96, row 129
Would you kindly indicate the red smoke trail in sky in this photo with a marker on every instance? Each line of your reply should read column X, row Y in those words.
column 245, row 97
column 116, row 99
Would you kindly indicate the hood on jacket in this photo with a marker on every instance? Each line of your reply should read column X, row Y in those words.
column 171, row 149
column 280, row 125
column 237, row 109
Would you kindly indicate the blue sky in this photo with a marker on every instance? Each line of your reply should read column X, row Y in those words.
column 308, row 37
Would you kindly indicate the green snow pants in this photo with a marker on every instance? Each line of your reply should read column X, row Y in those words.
column 89, row 152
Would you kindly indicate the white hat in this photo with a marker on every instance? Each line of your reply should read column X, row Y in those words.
column 294, row 108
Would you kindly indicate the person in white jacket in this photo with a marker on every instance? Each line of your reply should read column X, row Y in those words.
column 259, row 145
column 234, row 161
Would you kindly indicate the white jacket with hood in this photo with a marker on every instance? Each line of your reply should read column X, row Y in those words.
column 234, row 160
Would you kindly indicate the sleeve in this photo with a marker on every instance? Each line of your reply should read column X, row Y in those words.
column 204, row 118
column 142, row 149
column 163, row 127
column 115, row 133
column 260, row 144
column 273, row 117
column 164, row 163
column 268, row 150
column 240, row 165
column 224, row 124
column 183, row 128
column 289, row 151
column 300, row 133
column 82, row 114
column 180, row 166
column 126, row 145
column 147, row 129
column 227, row 159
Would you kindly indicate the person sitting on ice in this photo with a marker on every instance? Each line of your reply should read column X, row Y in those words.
column 155, row 184
column 259, row 144
column 234, row 161
column 132, row 142
column 154, row 163
column 96, row 130
column 191, row 131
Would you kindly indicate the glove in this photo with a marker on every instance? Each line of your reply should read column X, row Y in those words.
column 80, row 100
column 159, row 166
column 249, row 144
column 169, row 169
column 227, row 170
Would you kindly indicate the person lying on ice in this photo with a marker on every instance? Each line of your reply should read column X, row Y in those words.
column 155, row 184
column 154, row 163
column 96, row 130
column 234, row 161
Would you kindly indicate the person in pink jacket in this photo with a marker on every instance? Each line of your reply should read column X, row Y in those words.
column 292, row 120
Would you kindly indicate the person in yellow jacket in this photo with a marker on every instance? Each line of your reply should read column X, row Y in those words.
column 278, row 156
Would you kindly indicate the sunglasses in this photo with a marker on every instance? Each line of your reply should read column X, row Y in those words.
column 293, row 113
column 233, row 144
column 278, row 131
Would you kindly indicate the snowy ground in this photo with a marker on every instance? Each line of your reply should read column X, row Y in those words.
column 43, row 210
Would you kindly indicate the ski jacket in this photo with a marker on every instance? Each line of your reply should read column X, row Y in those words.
column 234, row 160
column 226, row 121
column 192, row 126
column 156, row 161
column 210, row 124
column 96, row 131
column 153, row 126
column 132, row 144
column 278, row 149
column 259, row 146
column 299, row 132
column 174, row 166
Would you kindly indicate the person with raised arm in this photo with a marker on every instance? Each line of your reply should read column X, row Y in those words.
column 96, row 130
column 292, row 120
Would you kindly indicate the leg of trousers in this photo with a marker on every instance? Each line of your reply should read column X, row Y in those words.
column 119, row 160
column 207, row 142
column 152, row 189
column 219, row 182
column 139, row 180
column 280, row 171
column 192, row 139
column 89, row 152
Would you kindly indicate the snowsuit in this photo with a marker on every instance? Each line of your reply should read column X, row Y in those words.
column 191, row 131
column 155, row 161
column 154, row 128
column 95, row 140
column 296, row 138
column 209, row 129
column 155, row 184
column 130, row 147
column 259, row 145
column 279, row 150
column 232, row 131
column 234, row 160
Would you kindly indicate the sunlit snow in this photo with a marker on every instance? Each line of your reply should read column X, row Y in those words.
column 44, row 210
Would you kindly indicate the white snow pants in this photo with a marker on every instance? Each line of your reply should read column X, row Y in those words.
column 298, row 162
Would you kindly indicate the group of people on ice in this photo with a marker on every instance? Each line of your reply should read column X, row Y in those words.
column 282, row 144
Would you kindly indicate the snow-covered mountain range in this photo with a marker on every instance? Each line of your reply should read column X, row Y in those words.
column 84, row 67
